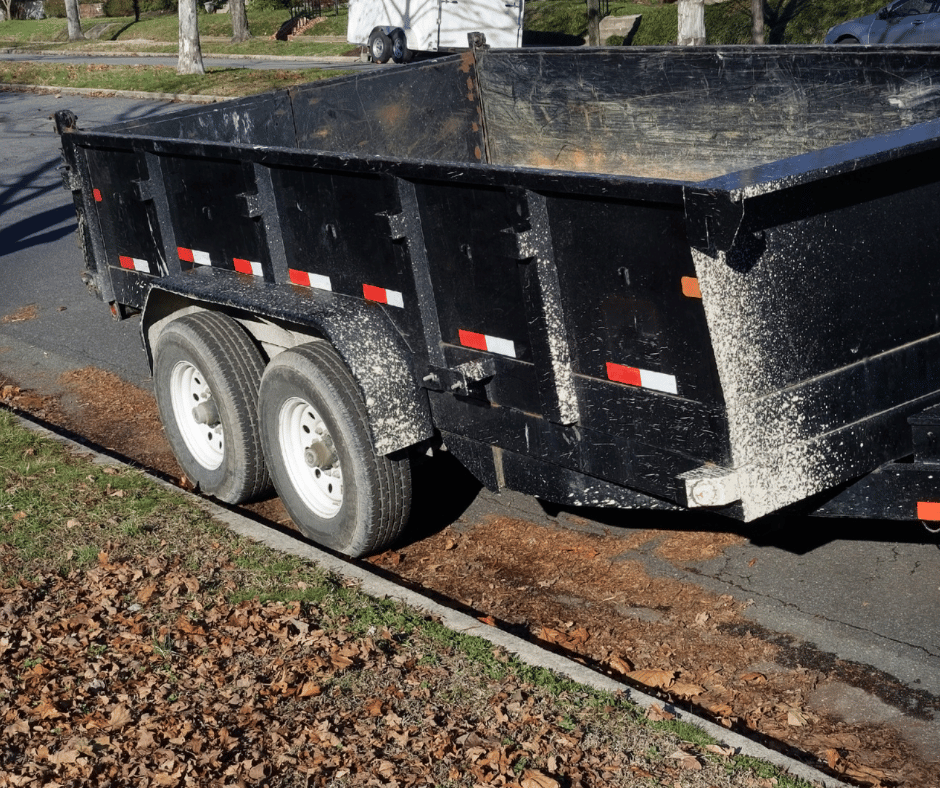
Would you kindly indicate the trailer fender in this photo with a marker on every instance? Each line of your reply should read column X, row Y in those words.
column 280, row 318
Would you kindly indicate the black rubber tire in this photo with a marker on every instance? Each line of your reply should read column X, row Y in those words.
column 380, row 47
column 848, row 41
column 228, row 365
column 375, row 491
column 400, row 51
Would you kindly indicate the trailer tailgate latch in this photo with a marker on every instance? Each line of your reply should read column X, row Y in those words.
column 710, row 486
column 465, row 380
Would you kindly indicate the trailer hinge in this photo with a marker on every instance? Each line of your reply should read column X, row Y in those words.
column 71, row 180
column 711, row 486
column 465, row 380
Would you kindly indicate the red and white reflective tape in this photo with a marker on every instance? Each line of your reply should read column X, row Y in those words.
column 97, row 193
column 383, row 296
column 193, row 256
column 247, row 267
column 134, row 264
column 306, row 279
column 504, row 347
column 634, row 376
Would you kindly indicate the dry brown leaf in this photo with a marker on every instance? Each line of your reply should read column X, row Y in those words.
column 620, row 665
column 20, row 726
column 657, row 714
column 753, row 678
column 687, row 761
column 120, row 716
column 309, row 689
column 533, row 779
column 64, row 756
column 579, row 636
column 717, row 749
column 653, row 677
column 685, row 689
column 795, row 718
column 550, row 635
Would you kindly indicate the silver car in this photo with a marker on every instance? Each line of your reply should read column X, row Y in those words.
column 902, row 22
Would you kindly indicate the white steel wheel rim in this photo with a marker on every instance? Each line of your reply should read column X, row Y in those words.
column 310, row 457
column 189, row 391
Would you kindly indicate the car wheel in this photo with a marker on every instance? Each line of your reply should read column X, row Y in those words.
column 848, row 40
column 380, row 47
column 400, row 51
column 206, row 373
column 315, row 433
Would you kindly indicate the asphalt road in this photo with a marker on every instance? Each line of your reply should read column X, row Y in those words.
column 867, row 592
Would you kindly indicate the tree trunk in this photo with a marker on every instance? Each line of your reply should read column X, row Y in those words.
column 757, row 21
column 75, row 25
column 190, row 58
column 240, row 30
column 594, row 23
column 691, row 23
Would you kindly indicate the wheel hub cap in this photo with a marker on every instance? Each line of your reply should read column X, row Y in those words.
column 197, row 415
column 310, row 458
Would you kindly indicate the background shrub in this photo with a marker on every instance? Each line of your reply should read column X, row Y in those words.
column 54, row 8
column 126, row 7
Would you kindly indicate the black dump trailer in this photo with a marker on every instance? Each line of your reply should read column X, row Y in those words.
column 638, row 278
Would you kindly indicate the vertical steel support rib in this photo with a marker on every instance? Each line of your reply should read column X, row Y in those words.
column 267, row 208
column 547, row 333
column 407, row 226
column 154, row 188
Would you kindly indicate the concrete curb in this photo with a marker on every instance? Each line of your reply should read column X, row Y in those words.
column 525, row 651
column 107, row 93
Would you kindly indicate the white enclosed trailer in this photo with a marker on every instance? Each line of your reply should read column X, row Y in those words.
column 396, row 29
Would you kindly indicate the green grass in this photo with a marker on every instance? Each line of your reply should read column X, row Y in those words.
column 547, row 22
column 786, row 21
column 262, row 23
column 157, row 79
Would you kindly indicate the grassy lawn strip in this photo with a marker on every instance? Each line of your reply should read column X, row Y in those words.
column 157, row 79
column 165, row 27
column 141, row 642
column 547, row 23
column 295, row 49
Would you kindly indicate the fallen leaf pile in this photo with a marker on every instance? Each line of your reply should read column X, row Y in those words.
column 583, row 594
column 138, row 671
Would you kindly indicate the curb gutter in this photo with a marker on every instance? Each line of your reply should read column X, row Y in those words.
column 525, row 651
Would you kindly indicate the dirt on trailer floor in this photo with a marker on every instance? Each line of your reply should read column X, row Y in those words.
column 587, row 595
